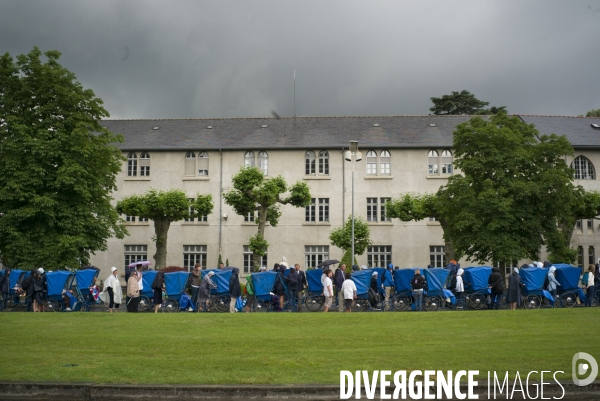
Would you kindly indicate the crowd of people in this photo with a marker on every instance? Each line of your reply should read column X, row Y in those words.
column 290, row 285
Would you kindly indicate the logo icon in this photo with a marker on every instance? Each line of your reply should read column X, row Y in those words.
column 580, row 368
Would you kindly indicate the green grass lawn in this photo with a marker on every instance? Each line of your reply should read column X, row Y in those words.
column 285, row 348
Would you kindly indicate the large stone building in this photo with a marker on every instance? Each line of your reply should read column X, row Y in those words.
column 400, row 154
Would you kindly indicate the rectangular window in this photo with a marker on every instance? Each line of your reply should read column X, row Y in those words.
column 580, row 256
column 203, row 164
column 130, row 219
column 135, row 253
column 190, row 219
column 379, row 256
column 315, row 254
column 248, row 262
column 591, row 255
column 132, row 167
column 324, row 162
column 432, row 219
column 508, row 267
column 310, row 210
column 193, row 254
column 437, row 257
column 143, row 219
column 590, row 226
column 323, row 209
column 382, row 202
column 144, row 165
column 579, row 225
column 371, row 209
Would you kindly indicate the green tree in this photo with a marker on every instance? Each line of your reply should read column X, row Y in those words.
column 220, row 260
column 347, row 260
column 342, row 236
column 512, row 191
column 593, row 113
column 252, row 192
column 417, row 207
column 58, row 166
column 463, row 102
column 164, row 207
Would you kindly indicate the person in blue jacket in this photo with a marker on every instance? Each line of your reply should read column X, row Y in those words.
column 387, row 282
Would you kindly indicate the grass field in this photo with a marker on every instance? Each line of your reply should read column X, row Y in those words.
column 285, row 348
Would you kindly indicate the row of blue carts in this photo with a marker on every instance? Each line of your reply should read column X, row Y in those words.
column 77, row 285
column 437, row 296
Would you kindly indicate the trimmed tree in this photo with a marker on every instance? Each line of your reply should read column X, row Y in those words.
column 463, row 102
column 164, row 207
column 341, row 237
column 417, row 207
column 58, row 166
column 253, row 192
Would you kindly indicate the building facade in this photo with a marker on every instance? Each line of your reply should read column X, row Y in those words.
column 399, row 155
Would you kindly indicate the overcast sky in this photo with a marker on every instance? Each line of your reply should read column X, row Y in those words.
column 219, row 58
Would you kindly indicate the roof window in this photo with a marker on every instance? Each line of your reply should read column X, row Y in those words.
column 596, row 126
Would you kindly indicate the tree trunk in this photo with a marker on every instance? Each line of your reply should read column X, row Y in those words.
column 448, row 247
column 161, row 230
column 262, row 222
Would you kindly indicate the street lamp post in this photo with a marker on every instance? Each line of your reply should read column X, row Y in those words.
column 353, row 155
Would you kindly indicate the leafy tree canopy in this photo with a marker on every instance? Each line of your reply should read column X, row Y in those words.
column 342, row 236
column 593, row 113
column 253, row 192
column 513, row 189
column 58, row 166
column 463, row 102
column 164, row 207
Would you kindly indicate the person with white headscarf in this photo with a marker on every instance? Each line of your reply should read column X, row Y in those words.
column 112, row 291
column 459, row 289
column 553, row 283
column 204, row 292
column 515, row 285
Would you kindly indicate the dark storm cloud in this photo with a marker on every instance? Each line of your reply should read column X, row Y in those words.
column 149, row 59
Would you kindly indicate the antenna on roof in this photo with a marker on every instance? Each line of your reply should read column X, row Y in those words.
column 294, row 93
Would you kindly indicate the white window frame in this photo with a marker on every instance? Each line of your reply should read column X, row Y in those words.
column 371, row 162
column 199, row 219
column 248, row 265
column 310, row 163
column 379, row 255
column 144, row 164
column 193, row 254
column 323, row 162
column 249, row 159
column 135, row 253
column 315, row 254
column 385, row 163
column 584, row 168
column 263, row 162
column 132, row 164
column 437, row 256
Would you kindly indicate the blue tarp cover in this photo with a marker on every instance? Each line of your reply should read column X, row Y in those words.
column 147, row 280
column 221, row 279
column 362, row 280
column 533, row 278
column 175, row 282
column 402, row 279
column 17, row 276
column 57, row 281
column 477, row 277
column 436, row 280
column 450, row 295
column 567, row 276
column 263, row 284
column 84, row 278
column 313, row 277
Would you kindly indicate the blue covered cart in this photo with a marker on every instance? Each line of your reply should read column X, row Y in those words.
column 84, row 279
column 175, row 286
column 58, row 282
column 16, row 278
column 314, row 300
column 568, row 276
column 476, row 286
column 263, row 286
column 533, row 279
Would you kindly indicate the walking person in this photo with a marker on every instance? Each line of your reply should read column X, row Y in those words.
column 133, row 292
column 496, row 285
column 204, row 293
column 195, row 285
column 292, row 281
column 112, row 290
column 459, row 289
column 27, row 286
column 387, row 282
column 374, row 292
column 418, row 284
column 589, row 285
column 249, row 293
column 157, row 290
column 327, row 289
column 38, row 290
column 302, row 284
column 279, row 285
column 5, row 289
column 553, row 283
column 234, row 289
column 349, row 292
column 515, row 286
column 338, row 280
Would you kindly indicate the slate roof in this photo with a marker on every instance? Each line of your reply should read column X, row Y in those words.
column 321, row 132
column 578, row 130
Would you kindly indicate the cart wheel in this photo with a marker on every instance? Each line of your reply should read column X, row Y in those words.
column 314, row 303
column 260, row 305
column 51, row 305
column 431, row 304
column 478, row 301
column 11, row 301
column 401, row 302
column 171, row 305
column 569, row 299
column 503, row 302
column 222, row 303
column 360, row 305
column 532, row 302
column 144, row 304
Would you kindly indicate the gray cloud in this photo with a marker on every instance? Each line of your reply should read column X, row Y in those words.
column 151, row 59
